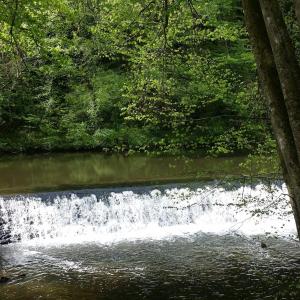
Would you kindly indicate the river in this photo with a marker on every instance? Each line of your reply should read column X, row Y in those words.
column 23, row 173
column 112, row 227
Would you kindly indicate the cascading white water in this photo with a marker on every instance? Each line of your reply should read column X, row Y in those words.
column 154, row 214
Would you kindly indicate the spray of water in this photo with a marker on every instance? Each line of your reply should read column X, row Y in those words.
column 156, row 214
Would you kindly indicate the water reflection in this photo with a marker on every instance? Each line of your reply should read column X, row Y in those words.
column 65, row 171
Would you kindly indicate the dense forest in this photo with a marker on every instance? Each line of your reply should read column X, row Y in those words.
column 124, row 76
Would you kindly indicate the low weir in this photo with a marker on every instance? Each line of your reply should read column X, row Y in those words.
column 112, row 215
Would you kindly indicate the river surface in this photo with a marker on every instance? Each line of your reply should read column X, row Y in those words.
column 65, row 171
column 207, row 239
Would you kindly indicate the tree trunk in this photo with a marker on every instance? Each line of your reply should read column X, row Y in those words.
column 270, row 79
column 286, row 62
column 297, row 10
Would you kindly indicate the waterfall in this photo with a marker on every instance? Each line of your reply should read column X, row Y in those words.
column 153, row 214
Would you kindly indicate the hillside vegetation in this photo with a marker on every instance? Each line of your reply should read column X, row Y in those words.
column 125, row 76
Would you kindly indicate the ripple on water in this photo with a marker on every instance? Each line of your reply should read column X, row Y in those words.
column 164, row 244
column 198, row 267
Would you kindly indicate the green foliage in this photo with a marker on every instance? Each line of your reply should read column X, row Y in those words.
column 127, row 76
column 264, row 161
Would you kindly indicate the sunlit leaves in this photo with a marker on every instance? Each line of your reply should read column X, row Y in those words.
column 111, row 74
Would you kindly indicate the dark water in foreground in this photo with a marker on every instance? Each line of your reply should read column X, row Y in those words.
column 197, row 267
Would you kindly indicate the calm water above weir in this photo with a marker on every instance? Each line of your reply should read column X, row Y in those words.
column 80, row 170
column 201, row 240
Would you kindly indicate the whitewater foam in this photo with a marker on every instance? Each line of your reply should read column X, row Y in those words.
column 156, row 214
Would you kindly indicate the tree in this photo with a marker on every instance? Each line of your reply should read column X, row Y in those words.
column 297, row 9
column 92, row 74
column 279, row 73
